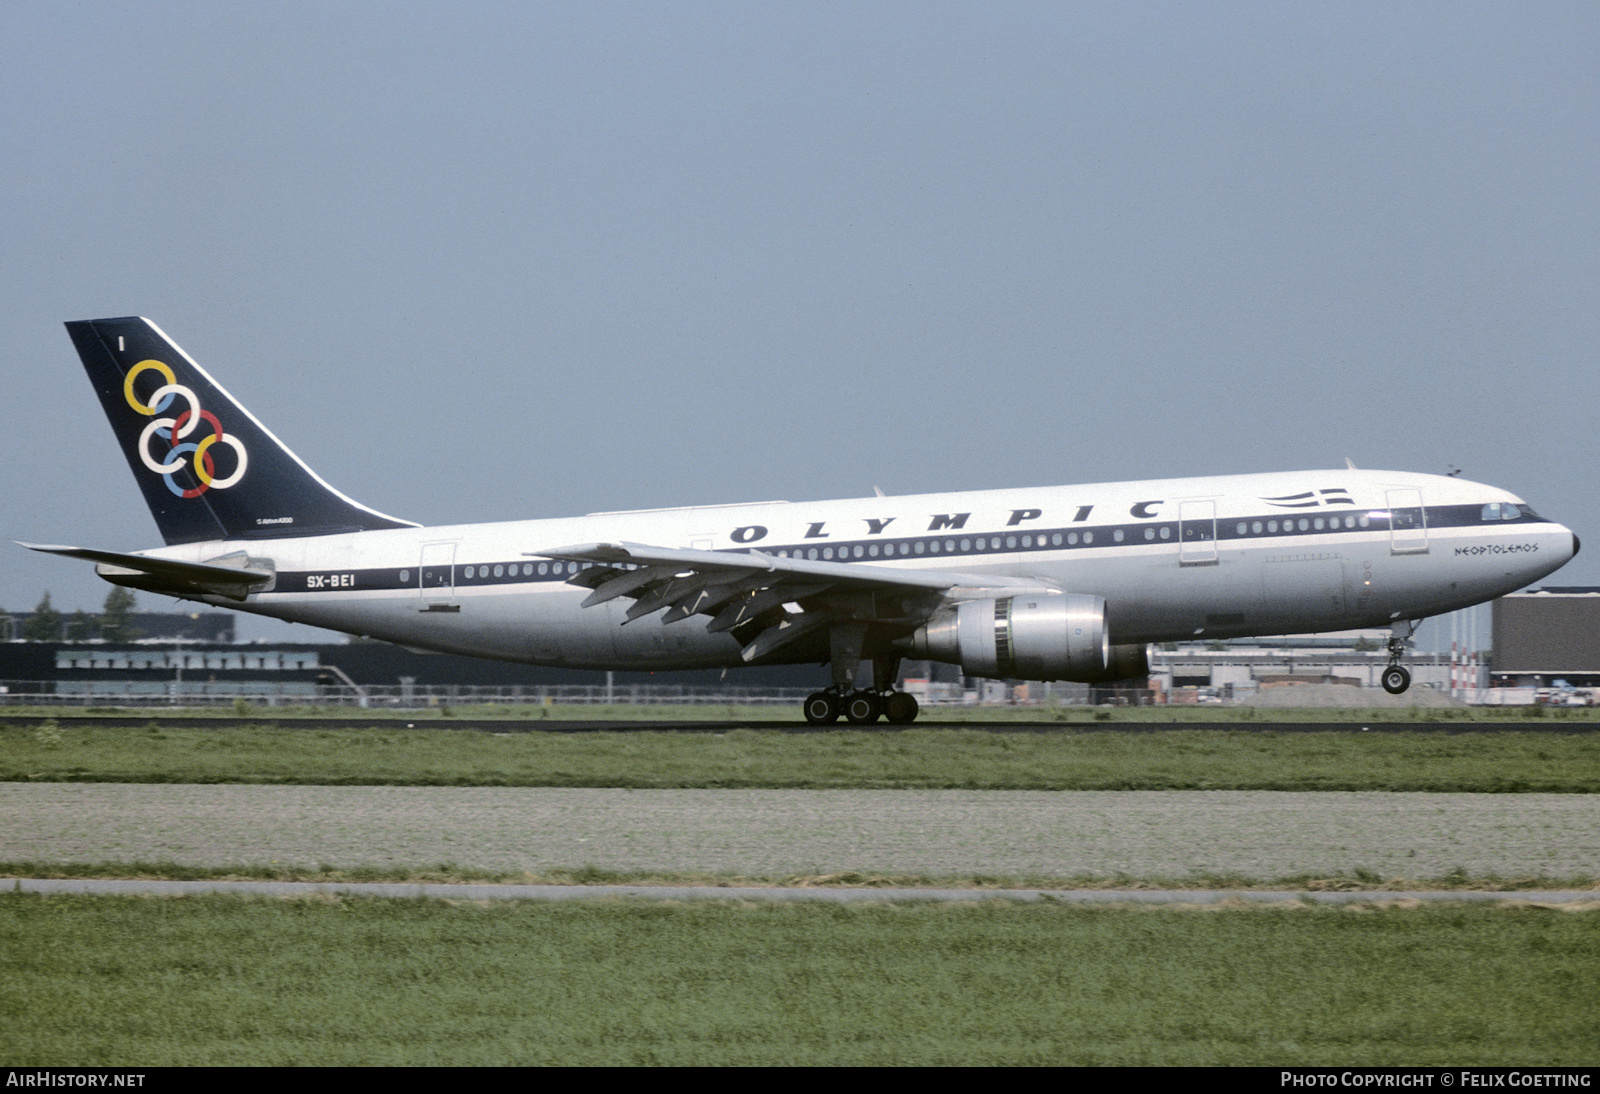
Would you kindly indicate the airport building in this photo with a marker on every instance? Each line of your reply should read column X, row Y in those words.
column 178, row 659
column 1548, row 638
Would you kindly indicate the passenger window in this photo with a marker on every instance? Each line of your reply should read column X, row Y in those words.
column 858, row 551
column 949, row 545
column 1088, row 537
column 920, row 547
column 1117, row 535
column 499, row 571
column 966, row 545
column 1011, row 541
column 1240, row 529
column 1272, row 526
column 1055, row 540
column 1166, row 533
column 1072, row 539
column 1256, row 528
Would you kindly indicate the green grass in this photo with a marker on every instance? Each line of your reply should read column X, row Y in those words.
column 450, row 874
column 930, row 757
column 136, row 982
column 789, row 713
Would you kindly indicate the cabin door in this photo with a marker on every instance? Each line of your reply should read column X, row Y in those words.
column 1197, row 532
column 437, row 584
column 1408, row 522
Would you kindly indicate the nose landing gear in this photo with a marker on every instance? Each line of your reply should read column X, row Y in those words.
column 1397, row 678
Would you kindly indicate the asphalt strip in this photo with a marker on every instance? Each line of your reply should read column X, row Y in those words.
column 99, row 887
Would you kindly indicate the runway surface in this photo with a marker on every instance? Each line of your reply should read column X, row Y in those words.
column 779, row 833
column 292, row 889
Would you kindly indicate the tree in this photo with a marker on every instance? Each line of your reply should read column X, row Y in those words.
column 116, row 618
column 80, row 626
column 44, row 625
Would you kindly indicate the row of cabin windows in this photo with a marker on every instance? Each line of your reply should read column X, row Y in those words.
column 527, row 569
column 948, row 546
column 1305, row 524
column 905, row 548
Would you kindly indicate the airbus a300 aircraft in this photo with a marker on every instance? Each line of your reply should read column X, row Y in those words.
column 1044, row 583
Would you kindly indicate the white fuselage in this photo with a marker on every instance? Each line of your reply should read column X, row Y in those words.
column 1173, row 559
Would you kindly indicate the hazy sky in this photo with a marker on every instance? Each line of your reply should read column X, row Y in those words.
column 493, row 261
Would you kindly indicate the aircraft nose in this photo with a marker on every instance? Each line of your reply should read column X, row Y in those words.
column 1576, row 546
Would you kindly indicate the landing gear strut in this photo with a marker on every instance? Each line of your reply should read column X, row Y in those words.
column 1397, row 678
column 860, row 706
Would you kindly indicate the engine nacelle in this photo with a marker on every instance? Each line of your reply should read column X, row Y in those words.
column 1028, row 638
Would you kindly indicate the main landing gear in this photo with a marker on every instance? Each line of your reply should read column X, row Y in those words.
column 861, row 707
column 1397, row 678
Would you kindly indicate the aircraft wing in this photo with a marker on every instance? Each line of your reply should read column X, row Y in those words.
column 229, row 576
column 746, row 591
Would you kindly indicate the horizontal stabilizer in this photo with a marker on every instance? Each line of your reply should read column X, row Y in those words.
column 166, row 574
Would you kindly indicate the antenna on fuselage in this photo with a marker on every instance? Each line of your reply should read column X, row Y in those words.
column 1351, row 464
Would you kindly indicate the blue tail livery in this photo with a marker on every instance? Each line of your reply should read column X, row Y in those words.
column 208, row 469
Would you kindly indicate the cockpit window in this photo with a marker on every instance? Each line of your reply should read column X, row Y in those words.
column 1509, row 512
column 1497, row 510
column 1491, row 511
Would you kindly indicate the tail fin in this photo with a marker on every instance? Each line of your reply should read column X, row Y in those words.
column 208, row 469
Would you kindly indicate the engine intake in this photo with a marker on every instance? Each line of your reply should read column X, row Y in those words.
column 1028, row 638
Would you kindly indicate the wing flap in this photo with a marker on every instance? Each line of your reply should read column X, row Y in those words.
column 776, row 600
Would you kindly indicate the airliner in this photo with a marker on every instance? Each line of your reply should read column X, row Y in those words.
column 1042, row 583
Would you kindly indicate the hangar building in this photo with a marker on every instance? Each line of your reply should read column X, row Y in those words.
column 1549, row 634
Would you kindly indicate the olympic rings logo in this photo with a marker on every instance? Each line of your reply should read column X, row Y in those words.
column 173, row 430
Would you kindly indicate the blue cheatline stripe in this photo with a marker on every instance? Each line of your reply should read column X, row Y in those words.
column 926, row 547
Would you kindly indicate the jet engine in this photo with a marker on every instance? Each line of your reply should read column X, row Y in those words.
column 1060, row 637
